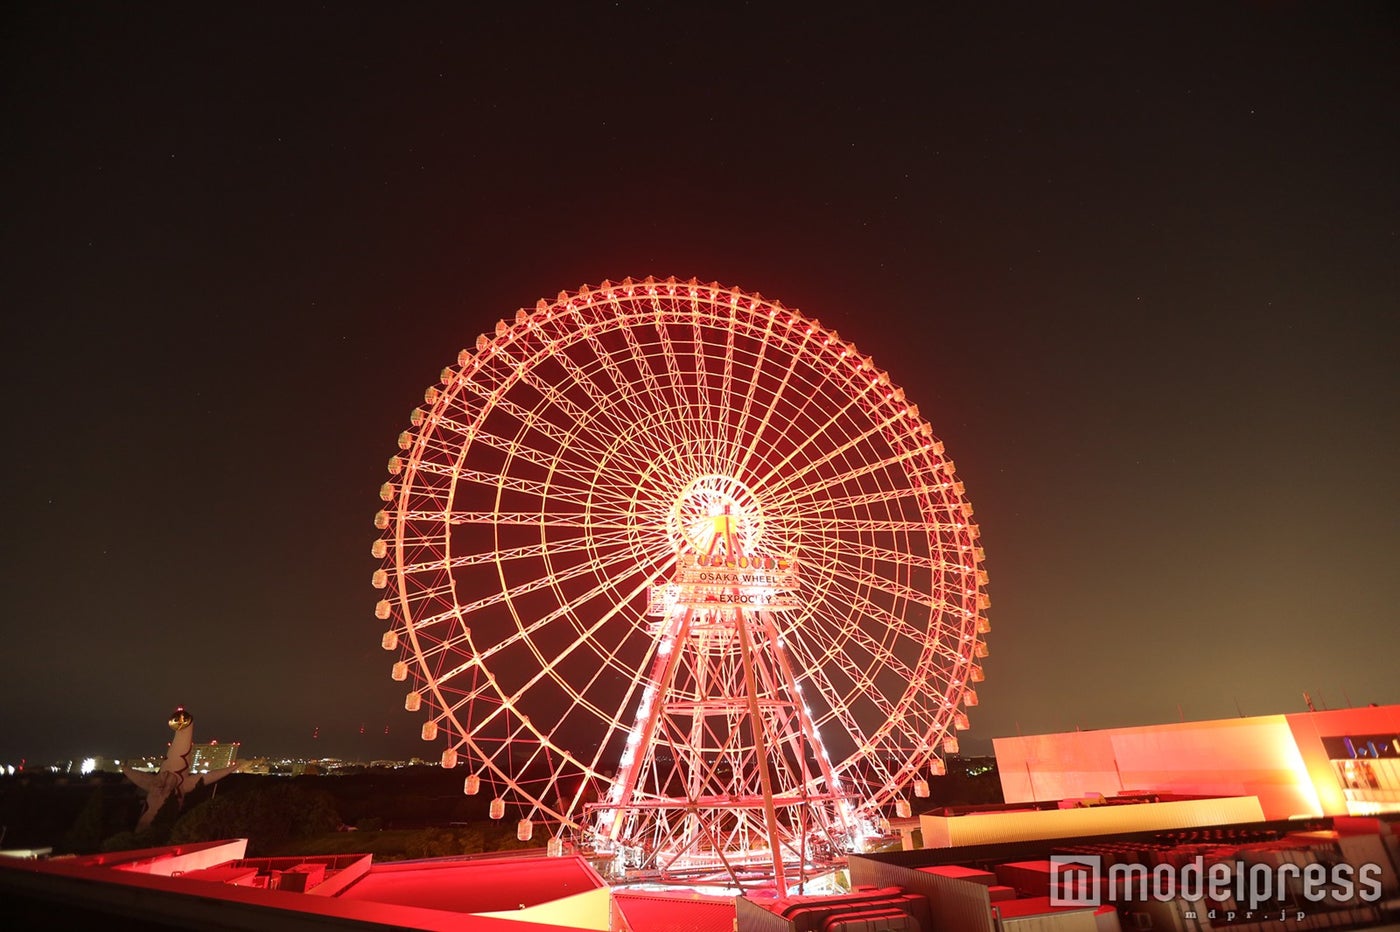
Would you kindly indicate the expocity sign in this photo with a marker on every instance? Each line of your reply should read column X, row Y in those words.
column 762, row 583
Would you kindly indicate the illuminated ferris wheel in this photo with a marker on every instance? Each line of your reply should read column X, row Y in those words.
column 675, row 571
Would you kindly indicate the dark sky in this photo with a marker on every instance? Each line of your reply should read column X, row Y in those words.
column 1138, row 265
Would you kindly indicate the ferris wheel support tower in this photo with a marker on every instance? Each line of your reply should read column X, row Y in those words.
column 726, row 741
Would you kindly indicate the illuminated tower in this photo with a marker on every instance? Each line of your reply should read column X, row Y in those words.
column 723, row 767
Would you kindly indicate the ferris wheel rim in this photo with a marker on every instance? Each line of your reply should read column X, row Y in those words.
column 428, row 653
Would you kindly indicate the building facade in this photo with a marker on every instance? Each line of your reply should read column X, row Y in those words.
column 213, row 756
column 1338, row 762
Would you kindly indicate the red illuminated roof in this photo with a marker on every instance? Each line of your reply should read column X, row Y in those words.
column 475, row 885
column 674, row 912
column 958, row 872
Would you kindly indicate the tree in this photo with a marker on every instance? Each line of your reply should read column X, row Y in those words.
column 152, row 836
column 268, row 815
column 87, row 831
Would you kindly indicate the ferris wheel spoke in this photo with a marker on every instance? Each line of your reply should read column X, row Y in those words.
column 413, row 543
column 558, row 547
column 880, row 659
column 430, row 589
column 868, row 551
column 673, row 369
column 485, row 557
column 522, row 736
column 715, row 391
column 863, row 685
column 829, row 638
column 839, row 419
column 904, row 713
column 568, row 610
column 809, row 435
column 755, row 376
column 726, row 384
column 795, row 479
column 545, row 461
column 694, row 458
column 601, row 408
column 528, row 518
column 654, row 483
column 892, row 587
column 643, row 363
column 761, row 430
column 676, row 421
column 547, row 669
column 816, row 674
column 566, row 442
column 539, row 756
column 461, row 612
column 624, row 387
column 667, row 427
column 577, row 416
column 893, row 623
column 709, row 420
column 857, row 673
column 882, row 524
column 611, row 717
column 458, row 670
column 545, row 582
column 883, row 496
column 959, row 651
column 532, row 417
column 617, row 717
column 544, row 490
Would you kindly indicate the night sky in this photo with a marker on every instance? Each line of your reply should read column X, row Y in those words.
column 1137, row 264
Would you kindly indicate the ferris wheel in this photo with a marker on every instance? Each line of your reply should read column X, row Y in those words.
column 556, row 536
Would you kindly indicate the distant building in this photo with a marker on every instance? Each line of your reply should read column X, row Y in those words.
column 213, row 756
column 87, row 765
column 976, row 766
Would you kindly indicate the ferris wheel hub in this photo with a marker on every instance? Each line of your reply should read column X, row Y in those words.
column 711, row 507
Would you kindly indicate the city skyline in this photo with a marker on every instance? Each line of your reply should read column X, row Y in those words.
column 1138, row 271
